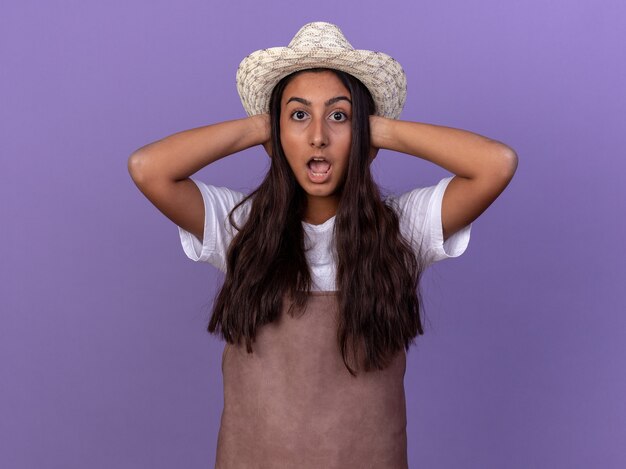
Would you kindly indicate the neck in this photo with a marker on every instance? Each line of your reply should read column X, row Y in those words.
column 320, row 209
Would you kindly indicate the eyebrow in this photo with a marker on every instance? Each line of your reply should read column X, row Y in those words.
column 330, row 102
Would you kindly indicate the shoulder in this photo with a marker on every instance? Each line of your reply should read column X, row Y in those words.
column 418, row 200
column 218, row 232
column 225, row 194
column 222, row 200
column 419, row 211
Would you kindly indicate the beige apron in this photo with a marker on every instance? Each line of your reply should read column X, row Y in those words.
column 293, row 404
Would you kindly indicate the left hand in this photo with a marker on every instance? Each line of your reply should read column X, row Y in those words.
column 376, row 131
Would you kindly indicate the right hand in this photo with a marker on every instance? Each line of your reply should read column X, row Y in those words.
column 263, row 121
column 162, row 169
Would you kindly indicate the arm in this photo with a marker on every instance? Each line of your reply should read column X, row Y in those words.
column 483, row 167
column 161, row 169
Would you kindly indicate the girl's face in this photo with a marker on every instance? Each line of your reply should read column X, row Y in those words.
column 316, row 133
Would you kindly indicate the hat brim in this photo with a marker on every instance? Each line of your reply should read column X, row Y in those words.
column 260, row 71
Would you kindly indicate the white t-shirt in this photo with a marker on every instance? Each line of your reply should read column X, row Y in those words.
column 419, row 212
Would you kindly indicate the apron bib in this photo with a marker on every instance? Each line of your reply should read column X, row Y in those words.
column 293, row 404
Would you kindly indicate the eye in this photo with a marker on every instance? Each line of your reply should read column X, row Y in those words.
column 338, row 116
column 298, row 115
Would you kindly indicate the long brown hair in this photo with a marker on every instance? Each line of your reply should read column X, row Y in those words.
column 377, row 271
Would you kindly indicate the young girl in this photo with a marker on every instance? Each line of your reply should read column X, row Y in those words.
column 320, row 300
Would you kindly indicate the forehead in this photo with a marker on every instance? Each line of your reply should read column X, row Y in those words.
column 315, row 86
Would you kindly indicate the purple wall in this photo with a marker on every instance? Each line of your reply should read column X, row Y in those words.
column 104, row 357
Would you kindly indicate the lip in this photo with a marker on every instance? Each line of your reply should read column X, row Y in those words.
column 319, row 178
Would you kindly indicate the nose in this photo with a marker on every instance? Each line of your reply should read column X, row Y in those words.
column 318, row 133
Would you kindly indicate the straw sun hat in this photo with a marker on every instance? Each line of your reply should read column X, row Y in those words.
column 321, row 44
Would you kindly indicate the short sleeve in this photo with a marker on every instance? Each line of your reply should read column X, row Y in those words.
column 420, row 223
column 218, row 232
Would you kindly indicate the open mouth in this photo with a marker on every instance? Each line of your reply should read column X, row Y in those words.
column 318, row 165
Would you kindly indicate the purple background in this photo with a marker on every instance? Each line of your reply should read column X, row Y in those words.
column 104, row 357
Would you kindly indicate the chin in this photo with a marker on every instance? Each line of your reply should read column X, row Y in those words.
column 322, row 192
column 318, row 192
